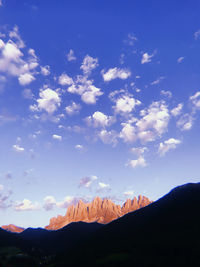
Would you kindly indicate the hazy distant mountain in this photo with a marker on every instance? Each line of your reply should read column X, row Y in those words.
column 101, row 211
column 13, row 228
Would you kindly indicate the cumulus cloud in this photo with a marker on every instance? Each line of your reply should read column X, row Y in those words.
column 146, row 58
column 73, row 108
column 140, row 162
column 125, row 104
column 85, row 88
column 103, row 187
column 49, row 101
column 79, row 147
column 64, row 79
column 185, row 122
column 57, row 137
column 18, row 148
column 108, row 137
column 180, row 59
column 115, row 73
column 99, row 119
column 89, row 63
column 138, row 151
column 26, row 78
column 27, row 94
column 26, row 205
column 195, row 101
column 167, row 145
column 166, row 93
column 155, row 117
column 87, row 181
column 45, row 70
column 49, row 203
column 71, row 56
column 128, row 133
column 177, row 110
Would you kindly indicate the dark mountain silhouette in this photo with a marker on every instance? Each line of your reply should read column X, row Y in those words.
column 164, row 233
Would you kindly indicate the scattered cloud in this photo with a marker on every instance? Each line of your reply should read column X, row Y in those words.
column 71, row 56
column 128, row 133
column 177, row 110
column 64, row 79
column 131, row 39
column 89, row 63
column 129, row 193
column 73, row 108
column 168, row 145
column 166, row 93
column 158, row 80
column 138, row 151
column 125, row 104
column 79, row 147
column 146, row 58
column 115, row 73
column 27, row 94
column 99, row 119
column 18, row 148
column 108, row 137
column 103, row 187
column 180, row 59
column 49, row 203
column 140, row 162
column 87, row 181
column 57, row 137
column 26, row 205
column 185, row 122
column 45, row 70
column 195, row 101
column 197, row 34
column 26, row 78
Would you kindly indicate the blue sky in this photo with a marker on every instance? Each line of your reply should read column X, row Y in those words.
column 96, row 98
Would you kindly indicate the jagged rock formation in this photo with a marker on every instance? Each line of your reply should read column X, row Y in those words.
column 101, row 211
column 12, row 228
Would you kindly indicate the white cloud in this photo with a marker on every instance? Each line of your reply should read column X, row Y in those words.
column 128, row 133
column 26, row 78
column 57, row 137
column 196, row 35
column 138, row 151
column 146, row 136
column 99, row 119
column 87, row 181
column 103, row 186
column 18, row 148
column 71, row 56
column 89, row 63
column 166, row 93
column 195, row 101
column 126, row 104
column 15, row 34
column 185, row 123
column 177, row 110
column 108, row 137
column 45, row 70
column 146, row 58
column 158, row 80
column 64, row 79
column 73, row 108
column 140, row 162
column 84, row 87
column 155, row 117
column 68, row 201
column 129, row 193
column 49, row 203
column 168, row 145
column 115, row 73
column 131, row 39
column 26, row 205
column 49, row 101
column 79, row 147
column 180, row 59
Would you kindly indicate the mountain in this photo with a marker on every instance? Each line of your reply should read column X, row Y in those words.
column 13, row 228
column 101, row 211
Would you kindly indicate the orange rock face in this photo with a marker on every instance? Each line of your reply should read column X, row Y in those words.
column 101, row 211
column 12, row 228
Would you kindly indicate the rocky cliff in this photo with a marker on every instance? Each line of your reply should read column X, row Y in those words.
column 102, row 211
column 12, row 228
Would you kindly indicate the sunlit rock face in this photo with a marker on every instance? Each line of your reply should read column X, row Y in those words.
column 12, row 228
column 101, row 211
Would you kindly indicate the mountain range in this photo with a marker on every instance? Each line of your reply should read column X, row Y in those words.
column 163, row 233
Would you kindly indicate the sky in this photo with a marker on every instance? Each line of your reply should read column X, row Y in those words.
column 97, row 98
